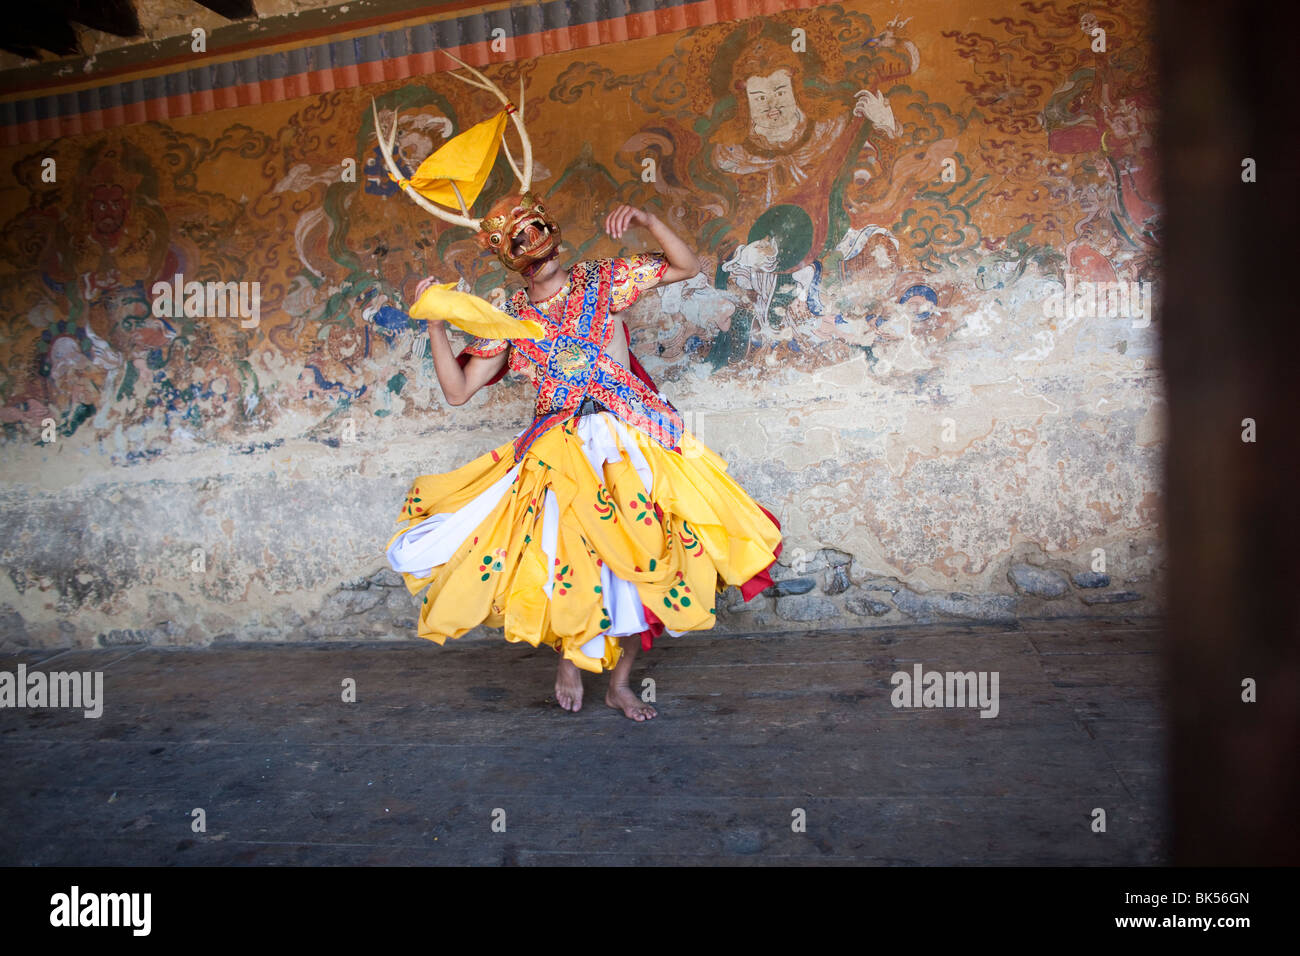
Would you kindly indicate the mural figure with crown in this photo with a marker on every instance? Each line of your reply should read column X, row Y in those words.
column 605, row 522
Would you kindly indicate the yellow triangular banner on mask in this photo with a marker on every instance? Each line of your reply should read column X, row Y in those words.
column 464, row 160
column 471, row 314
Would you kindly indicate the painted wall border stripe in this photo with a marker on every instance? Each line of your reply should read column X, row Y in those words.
column 307, row 68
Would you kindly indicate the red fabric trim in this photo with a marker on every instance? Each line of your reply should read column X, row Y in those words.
column 487, row 348
column 763, row 579
column 757, row 584
column 655, row 629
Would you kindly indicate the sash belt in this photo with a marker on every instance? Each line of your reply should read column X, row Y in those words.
column 589, row 406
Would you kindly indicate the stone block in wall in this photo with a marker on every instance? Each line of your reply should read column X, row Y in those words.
column 401, row 600
column 929, row 608
column 1091, row 579
column 836, row 579
column 345, row 603
column 166, row 633
column 119, row 637
column 363, row 627
column 387, row 578
column 805, row 607
column 792, row 586
column 866, row 606
column 1111, row 597
column 836, row 558
column 1039, row 582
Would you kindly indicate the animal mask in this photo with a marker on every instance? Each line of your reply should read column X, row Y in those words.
column 518, row 229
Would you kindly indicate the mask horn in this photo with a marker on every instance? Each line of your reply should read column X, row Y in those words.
column 516, row 113
column 386, row 147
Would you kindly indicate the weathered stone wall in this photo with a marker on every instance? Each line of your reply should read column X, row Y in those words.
column 881, row 344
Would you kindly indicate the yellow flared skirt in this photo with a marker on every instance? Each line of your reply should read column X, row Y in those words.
column 596, row 532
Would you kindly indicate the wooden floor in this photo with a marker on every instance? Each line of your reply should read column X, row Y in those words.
column 440, row 741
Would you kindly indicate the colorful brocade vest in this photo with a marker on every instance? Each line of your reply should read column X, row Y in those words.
column 572, row 362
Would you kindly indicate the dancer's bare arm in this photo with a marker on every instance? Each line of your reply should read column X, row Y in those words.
column 459, row 384
column 682, row 261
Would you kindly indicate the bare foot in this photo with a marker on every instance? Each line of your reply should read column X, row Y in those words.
column 620, row 697
column 568, row 686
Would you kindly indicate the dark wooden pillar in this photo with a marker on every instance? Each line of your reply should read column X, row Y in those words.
column 1231, row 351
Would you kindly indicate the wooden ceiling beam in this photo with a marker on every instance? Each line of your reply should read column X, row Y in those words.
column 117, row 17
column 48, row 24
column 39, row 26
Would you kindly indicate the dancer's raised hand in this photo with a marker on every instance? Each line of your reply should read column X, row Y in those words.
column 623, row 218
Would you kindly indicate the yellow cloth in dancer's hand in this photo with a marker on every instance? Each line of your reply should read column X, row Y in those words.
column 471, row 314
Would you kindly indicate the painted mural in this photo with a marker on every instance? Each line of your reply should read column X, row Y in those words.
column 922, row 336
column 851, row 182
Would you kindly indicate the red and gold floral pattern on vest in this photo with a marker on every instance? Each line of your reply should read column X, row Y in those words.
column 572, row 361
